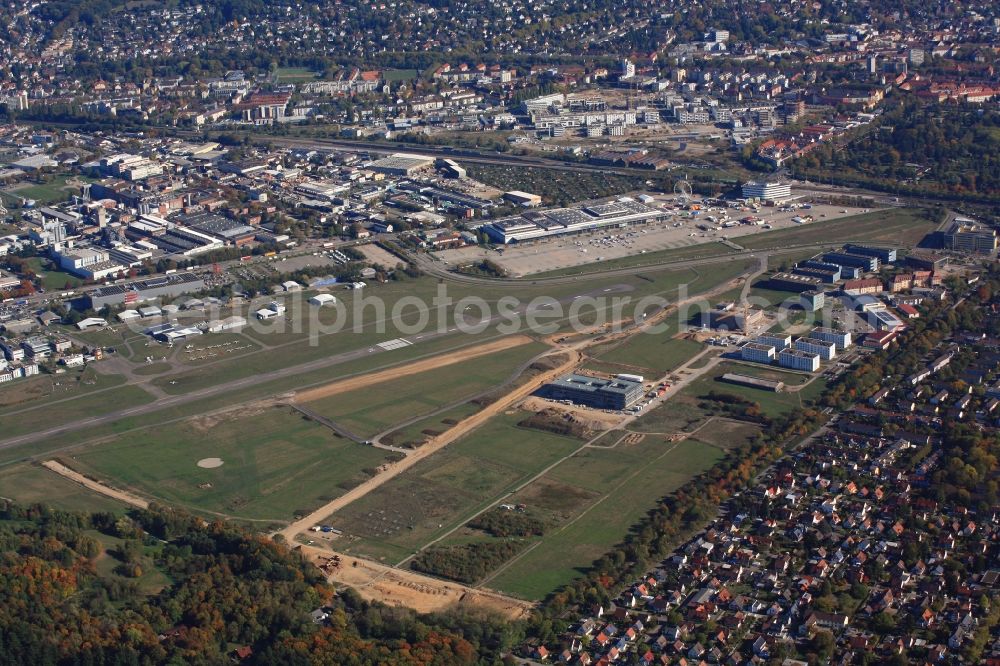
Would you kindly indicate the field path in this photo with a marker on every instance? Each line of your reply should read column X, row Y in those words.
column 97, row 487
column 435, row 444
column 432, row 363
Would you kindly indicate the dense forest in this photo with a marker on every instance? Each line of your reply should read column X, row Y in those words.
column 940, row 150
column 160, row 586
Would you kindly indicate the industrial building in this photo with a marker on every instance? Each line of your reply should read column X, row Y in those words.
column 733, row 319
column 796, row 283
column 766, row 191
column 825, row 350
column 753, row 382
column 138, row 291
column 886, row 255
column 270, row 311
column 757, row 352
column 233, row 323
column 525, row 199
column 883, row 320
column 320, row 300
column 966, row 236
column 826, row 275
column 88, row 263
column 222, row 228
column 835, row 269
column 865, row 263
column 840, row 338
column 451, row 168
column 798, row 360
column 594, row 391
column 402, row 164
column 560, row 221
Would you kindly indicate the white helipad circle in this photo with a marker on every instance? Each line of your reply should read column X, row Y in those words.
column 209, row 463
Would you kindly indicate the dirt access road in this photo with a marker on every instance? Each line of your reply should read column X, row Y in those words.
column 90, row 484
column 399, row 587
column 433, row 445
column 432, row 363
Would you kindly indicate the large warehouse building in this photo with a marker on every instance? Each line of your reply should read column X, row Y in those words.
column 594, row 391
column 559, row 221
column 402, row 164
column 145, row 290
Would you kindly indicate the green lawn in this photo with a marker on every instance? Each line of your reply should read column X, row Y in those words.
column 28, row 483
column 51, row 192
column 622, row 484
column 277, row 464
column 726, row 434
column 772, row 404
column 416, row 433
column 38, row 417
column 44, row 388
column 447, row 489
column 659, row 353
column 378, row 408
column 53, row 279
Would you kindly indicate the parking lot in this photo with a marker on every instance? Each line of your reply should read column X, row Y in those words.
column 683, row 229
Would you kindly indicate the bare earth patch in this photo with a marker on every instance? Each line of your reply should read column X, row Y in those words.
column 210, row 463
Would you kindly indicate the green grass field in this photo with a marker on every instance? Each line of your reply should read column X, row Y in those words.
column 772, row 404
column 447, row 489
column 699, row 251
column 657, row 353
column 379, row 325
column 43, row 388
column 51, row 278
column 52, row 192
column 378, row 408
column 284, row 350
column 726, row 434
column 31, row 483
column 904, row 227
column 276, row 464
column 37, row 416
column 622, row 483
column 416, row 433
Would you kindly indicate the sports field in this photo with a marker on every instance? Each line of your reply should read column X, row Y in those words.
column 397, row 400
column 275, row 463
column 447, row 489
column 295, row 74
